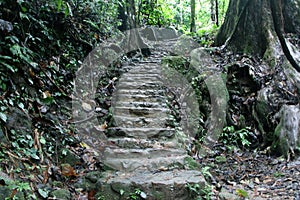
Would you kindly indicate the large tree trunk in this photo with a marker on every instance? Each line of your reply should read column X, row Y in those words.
column 127, row 14
column 263, row 28
column 193, row 16
column 259, row 27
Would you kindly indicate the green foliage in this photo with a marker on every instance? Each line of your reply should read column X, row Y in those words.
column 242, row 193
column 198, row 192
column 22, row 190
column 38, row 61
column 177, row 14
column 137, row 194
column 238, row 138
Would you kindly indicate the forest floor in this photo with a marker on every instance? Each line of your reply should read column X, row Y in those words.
column 240, row 174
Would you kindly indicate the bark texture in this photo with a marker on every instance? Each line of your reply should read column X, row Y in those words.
column 256, row 26
column 269, row 29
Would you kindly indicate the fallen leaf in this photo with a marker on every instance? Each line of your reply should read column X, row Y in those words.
column 67, row 170
column 87, row 107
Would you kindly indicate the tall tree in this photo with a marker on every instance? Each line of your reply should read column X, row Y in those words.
column 127, row 14
column 214, row 11
column 193, row 16
column 269, row 29
column 259, row 27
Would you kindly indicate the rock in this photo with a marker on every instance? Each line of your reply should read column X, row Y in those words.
column 167, row 33
column 5, row 26
column 69, row 157
column 19, row 121
column 90, row 181
column 226, row 195
column 288, row 130
column 263, row 105
column 149, row 33
column 158, row 34
column 61, row 194
column 160, row 185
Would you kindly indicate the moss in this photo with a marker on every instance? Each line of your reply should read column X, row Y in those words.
column 191, row 163
column 280, row 145
column 61, row 194
column 175, row 62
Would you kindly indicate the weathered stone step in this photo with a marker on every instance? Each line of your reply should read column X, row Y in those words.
column 140, row 85
column 125, row 121
column 133, row 143
column 139, row 98
column 140, row 91
column 141, row 104
column 140, row 133
column 148, row 159
column 148, row 153
column 151, row 65
column 148, row 75
column 147, row 164
column 141, row 111
column 143, row 70
column 140, row 80
column 164, row 185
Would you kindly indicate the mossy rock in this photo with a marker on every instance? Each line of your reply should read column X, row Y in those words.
column 175, row 62
column 6, row 192
column 90, row 181
column 191, row 163
column 287, row 131
column 61, row 194
column 69, row 157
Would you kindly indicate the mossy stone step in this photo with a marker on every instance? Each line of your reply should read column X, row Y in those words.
column 159, row 185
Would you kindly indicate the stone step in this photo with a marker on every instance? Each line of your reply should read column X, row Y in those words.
column 143, row 70
column 140, row 104
column 148, row 153
column 144, row 163
column 148, row 66
column 140, row 111
column 138, row 98
column 133, row 143
column 140, row 91
column 140, row 133
column 171, row 185
column 140, row 85
column 125, row 121
column 137, row 74
column 138, row 81
column 147, row 159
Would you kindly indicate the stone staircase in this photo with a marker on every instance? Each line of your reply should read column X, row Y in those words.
column 148, row 158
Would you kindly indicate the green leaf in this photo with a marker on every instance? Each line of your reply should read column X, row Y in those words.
column 5, row 57
column 48, row 100
column 64, row 152
column 92, row 24
column 42, row 140
column 34, row 156
column 242, row 193
column 59, row 4
column 122, row 192
column 3, row 116
column 43, row 193
column 10, row 67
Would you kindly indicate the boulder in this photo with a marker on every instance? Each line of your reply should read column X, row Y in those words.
column 288, row 130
